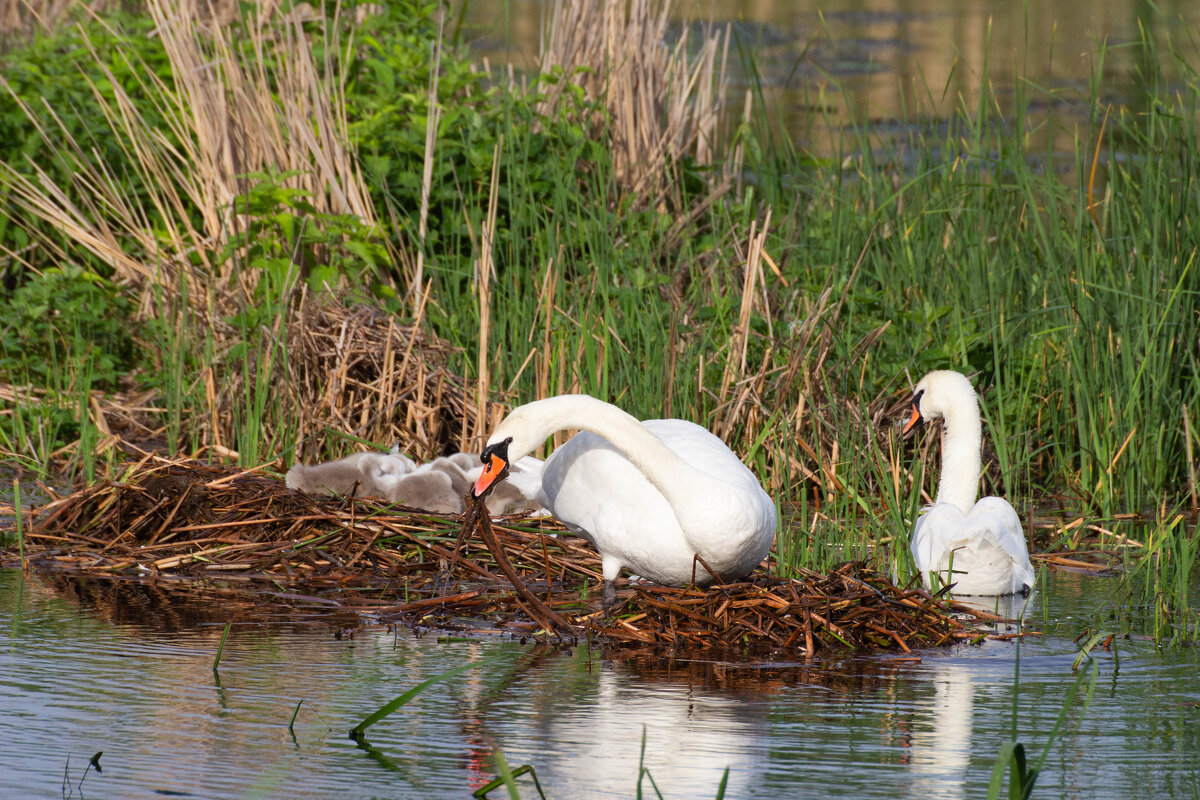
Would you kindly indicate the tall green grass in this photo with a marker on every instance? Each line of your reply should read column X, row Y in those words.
column 1070, row 297
column 1158, row 578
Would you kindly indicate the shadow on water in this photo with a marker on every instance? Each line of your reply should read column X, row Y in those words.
column 168, row 605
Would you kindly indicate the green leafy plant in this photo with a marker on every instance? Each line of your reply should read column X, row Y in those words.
column 282, row 236
column 61, row 319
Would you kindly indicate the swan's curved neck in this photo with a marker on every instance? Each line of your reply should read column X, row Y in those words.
column 962, row 436
column 676, row 478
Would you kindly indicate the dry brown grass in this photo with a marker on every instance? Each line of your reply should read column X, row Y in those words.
column 230, row 110
column 662, row 101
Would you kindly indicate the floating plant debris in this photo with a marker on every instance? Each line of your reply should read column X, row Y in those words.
column 183, row 522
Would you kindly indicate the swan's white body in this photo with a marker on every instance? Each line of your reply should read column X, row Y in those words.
column 651, row 496
column 977, row 546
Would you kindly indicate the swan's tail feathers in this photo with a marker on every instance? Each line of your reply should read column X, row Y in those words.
column 981, row 566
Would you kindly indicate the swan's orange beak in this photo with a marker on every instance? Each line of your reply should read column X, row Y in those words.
column 913, row 421
column 495, row 467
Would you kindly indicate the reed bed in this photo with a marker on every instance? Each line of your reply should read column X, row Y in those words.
column 662, row 102
column 346, row 556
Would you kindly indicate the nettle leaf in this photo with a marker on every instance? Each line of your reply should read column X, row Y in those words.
column 323, row 277
column 385, row 76
column 372, row 254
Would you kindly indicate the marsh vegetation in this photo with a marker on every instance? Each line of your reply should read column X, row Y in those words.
column 263, row 236
column 259, row 235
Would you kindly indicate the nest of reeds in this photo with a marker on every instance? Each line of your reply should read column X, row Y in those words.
column 358, row 370
column 351, row 372
column 360, row 559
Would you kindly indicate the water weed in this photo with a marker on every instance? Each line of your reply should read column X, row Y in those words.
column 1158, row 579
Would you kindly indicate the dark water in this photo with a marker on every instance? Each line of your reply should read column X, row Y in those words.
column 129, row 675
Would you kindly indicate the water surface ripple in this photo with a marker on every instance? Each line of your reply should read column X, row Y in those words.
column 74, row 682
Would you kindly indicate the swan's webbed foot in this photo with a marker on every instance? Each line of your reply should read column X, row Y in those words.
column 609, row 597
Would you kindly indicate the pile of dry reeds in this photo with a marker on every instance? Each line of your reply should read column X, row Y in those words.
column 184, row 519
column 359, row 371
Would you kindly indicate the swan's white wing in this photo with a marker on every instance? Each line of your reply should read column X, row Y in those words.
column 982, row 553
column 936, row 532
column 995, row 522
column 594, row 489
column 743, row 519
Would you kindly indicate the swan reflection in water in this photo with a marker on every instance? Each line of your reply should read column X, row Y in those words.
column 589, row 738
column 942, row 739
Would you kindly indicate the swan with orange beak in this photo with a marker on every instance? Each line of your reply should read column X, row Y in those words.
column 663, row 498
column 977, row 546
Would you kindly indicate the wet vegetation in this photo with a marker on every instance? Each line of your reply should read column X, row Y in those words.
column 255, row 237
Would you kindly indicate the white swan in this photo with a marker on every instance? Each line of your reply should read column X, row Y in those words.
column 651, row 496
column 984, row 539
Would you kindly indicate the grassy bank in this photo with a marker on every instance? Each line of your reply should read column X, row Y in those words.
column 179, row 210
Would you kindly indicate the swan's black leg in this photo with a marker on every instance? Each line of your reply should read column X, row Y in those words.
column 609, row 597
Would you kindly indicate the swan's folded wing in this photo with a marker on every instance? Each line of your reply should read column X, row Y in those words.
column 982, row 553
column 995, row 521
column 937, row 531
